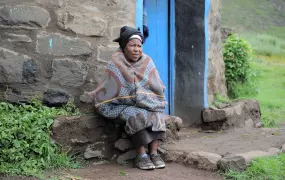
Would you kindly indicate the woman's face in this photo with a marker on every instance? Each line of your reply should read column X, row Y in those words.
column 133, row 50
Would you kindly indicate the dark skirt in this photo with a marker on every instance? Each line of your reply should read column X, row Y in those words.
column 146, row 136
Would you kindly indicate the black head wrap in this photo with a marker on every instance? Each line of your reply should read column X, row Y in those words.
column 125, row 33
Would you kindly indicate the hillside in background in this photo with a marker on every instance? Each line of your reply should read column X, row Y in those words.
column 263, row 16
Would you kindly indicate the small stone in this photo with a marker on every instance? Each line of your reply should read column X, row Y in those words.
column 24, row 16
column 55, row 98
column 123, row 145
column 81, row 23
column 100, row 150
column 69, row 73
column 259, row 125
column 60, row 45
column 204, row 160
column 18, row 38
column 131, row 154
column 235, row 163
column 100, row 163
column 249, row 123
column 79, row 141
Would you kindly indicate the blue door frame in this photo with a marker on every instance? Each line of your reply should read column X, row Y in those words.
column 171, row 84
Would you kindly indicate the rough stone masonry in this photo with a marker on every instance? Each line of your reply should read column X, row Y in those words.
column 63, row 46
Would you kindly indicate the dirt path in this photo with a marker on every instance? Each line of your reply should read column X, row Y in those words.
column 120, row 172
column 232, row 141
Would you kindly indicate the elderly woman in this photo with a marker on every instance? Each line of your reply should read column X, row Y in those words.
column 132, row 91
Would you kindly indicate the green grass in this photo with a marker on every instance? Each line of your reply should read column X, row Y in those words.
column 268, row 168
column 271, row 94
column 266, row 45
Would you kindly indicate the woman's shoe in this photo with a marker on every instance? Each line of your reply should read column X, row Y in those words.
column 144, row 163
column 157, row 161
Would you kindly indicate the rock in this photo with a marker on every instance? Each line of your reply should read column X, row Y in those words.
column 24, row 16
column 173, row 125
column 237, row 114
column 11, row 66
column 29, row 71
column 175, row 156
column 100, row 163
column 55, row 98
column 204, row 160
column 214, row 115
column 18, row 38
column 249, row 123
column 60, row 45
column 16, row 97
column 274, row 151
column 100, row 150
column 131, row 154
column 81, row 23
column 85, row 98
column 104, row 53
column 68, row 72
column 259, row 125
column 249, row 156
column 235, row 163
column 123, row 145
column 283, row 148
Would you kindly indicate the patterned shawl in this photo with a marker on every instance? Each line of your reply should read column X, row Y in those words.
column 133, row 93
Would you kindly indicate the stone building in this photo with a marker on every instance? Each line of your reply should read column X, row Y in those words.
column 59, row 48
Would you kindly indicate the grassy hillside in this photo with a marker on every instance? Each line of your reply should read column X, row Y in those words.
column 246, row 16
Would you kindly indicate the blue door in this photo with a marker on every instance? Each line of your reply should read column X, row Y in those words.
column 157, row 44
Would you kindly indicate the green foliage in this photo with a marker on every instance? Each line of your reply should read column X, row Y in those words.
column 240, row 77
column 266, row 168
column 25, row 144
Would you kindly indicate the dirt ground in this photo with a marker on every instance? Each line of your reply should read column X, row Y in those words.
column 224, row 142
column 121, row 172
column 232, row 141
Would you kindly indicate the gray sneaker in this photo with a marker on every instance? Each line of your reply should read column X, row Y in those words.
column 144, row 163
column 157, row 161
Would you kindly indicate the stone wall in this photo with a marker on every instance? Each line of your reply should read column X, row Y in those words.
column 57, row 47
column 216, row 75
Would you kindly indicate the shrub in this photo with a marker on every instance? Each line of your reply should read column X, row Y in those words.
column 237, row 54
column 25, row 144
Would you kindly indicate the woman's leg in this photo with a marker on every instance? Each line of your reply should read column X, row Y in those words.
column 140, row 150
column 153, row 147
